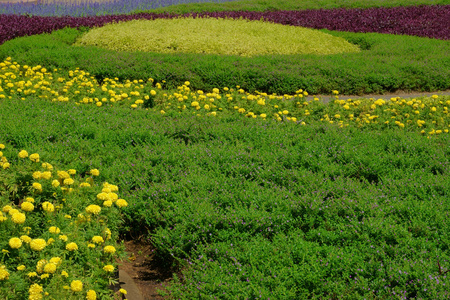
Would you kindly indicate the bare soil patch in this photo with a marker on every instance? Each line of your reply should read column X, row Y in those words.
column 148, row 273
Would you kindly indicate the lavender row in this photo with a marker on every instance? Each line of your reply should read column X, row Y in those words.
column 90, row 8
column 424, row 21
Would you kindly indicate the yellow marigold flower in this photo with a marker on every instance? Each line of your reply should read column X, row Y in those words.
column 54, row 229
column 107, row 203
column 55, row 183
column 97, row 239
column 32, row 274
column 72, row 246
column 76, row 286
column 285, row 112
column 68, row 181
column 2, row 218
column 6, row 208
column 56, row 260
column 36, row 175
column 113, row 196
column 34, row 157
column 27, row 206
column 91, row 295
column 94, row 172
column 50, row 241
column 25, row 238
column 23, row 154
column 47, row 206
column 153, row 92
column 109, row 249
column 102, row 196
column 91, row 245
column 123, row 291
column 72, row 171
column 121, row 203
column 18, row 218
column 47, row 166
column 433, row 108
column 93, row 209
column 38, row 244
column 15, row 243
column 65, row 274
column 43, row 276
column 85, row 184
column 108, row 268
column 13, row 211
column 35, row 289
column 2, row 146
column 50, row 268
column 5, row 251
column 63, row 237
column 4, row 274
column 29, row 199
column 21, row 268
column 194, row 103
column 63, row 174
column 40, row 265
column 6, row 165
column 107, row 232
column 46, row 175
column 37, row 186
column 99, row 104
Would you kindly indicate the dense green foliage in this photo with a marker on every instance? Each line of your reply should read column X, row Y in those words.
column 295, row 209
column 387, row 63
column 252, row 207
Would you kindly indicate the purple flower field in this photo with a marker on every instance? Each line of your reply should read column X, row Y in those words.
column 423, row 21
column 90, row 8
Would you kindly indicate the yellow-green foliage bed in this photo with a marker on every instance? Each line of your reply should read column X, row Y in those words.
column 214, row 36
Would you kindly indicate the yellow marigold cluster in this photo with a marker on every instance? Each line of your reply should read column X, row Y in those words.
column 18, row 218
column 27, row 206
column 35, row 291
column 97, row 239
column 109, row 249
column 34, row 157
column 94, row 172
column 109, row 268
column 38, row 244
column 54, row 229
column 76, row 286
column 47, row 206
column 93, row 209
column 72, row 246
column 4, row 274
column 91, row 295
column 50, row 268
column 15, row 243
column 23, row 154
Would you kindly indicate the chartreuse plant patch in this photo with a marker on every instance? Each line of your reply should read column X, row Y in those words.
column 214, row 36
column 58, row 230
